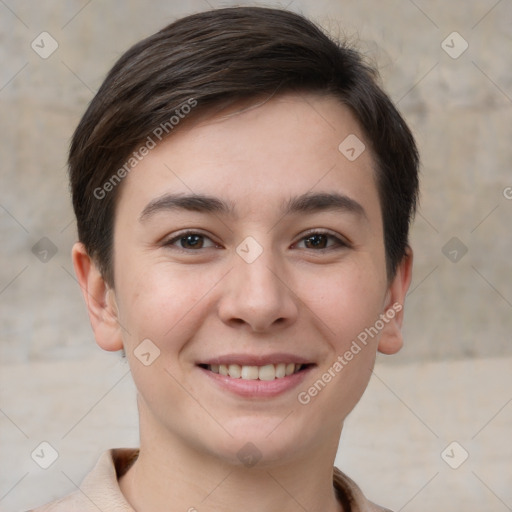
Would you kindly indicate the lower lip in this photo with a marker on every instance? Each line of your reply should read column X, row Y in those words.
column 258, row 388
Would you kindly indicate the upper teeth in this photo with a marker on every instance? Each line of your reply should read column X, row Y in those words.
column 267, row 372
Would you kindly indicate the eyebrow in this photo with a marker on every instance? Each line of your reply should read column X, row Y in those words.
column 324, row 201
column 305, row 203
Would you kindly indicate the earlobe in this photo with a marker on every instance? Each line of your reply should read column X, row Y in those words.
column 100, row 300
column 391, row 340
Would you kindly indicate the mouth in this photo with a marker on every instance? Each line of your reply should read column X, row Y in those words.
column 256, row 376
column 267, row 372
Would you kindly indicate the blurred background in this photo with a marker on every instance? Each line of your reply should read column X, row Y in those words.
column 434, row 427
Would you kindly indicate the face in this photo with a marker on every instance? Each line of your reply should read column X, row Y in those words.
column 271, row 270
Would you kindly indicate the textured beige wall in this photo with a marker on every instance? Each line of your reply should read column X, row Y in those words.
column 460, row 110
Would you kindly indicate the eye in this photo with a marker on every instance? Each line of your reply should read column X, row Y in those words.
column 191, row 240
column 315, row 240
column 322, row 240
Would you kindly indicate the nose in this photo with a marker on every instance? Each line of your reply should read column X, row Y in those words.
column 256, row 295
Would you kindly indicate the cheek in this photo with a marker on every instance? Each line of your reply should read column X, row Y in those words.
column 353, row 303
column 347, row 300
column 162, row 304
column 166, row 308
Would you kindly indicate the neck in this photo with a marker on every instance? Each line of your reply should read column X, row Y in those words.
column 170, row 472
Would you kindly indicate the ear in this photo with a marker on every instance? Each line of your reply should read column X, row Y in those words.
column 100, row 300
column 391, row 340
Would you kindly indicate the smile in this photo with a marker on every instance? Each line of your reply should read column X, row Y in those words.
column 250, row 372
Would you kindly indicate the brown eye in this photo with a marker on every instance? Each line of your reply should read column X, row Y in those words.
column 322, row 241
column 316, row 242
column 190, row 241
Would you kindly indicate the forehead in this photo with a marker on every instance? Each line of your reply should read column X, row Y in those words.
column 259, row 152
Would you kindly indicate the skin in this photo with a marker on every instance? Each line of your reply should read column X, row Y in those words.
column 200, row 303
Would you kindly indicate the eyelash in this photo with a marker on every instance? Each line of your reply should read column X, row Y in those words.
column 339, row 242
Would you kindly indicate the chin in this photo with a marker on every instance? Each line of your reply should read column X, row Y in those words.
column 264, row 443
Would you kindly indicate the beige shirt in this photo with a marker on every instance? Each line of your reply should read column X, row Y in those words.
column 100, row 489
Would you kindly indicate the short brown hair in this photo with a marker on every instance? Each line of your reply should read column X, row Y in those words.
column 217, row 58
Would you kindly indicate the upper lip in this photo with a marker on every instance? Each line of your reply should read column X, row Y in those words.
column 256, row 359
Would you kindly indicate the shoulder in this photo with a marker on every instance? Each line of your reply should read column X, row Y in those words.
column 73, row 502
column 99, row 489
